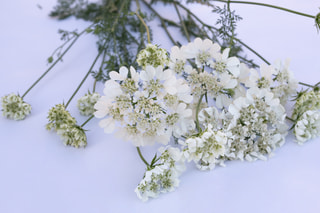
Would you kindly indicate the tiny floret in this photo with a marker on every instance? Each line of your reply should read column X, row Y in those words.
column 14, row 107
column 86, row 103
column 152, row 55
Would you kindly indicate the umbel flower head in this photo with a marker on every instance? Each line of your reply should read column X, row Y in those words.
column 164, row 177
column 14, row 107
column 86, row 103
column 64, row 124
column 152, row 55
column 306, row 101
column 308, row 126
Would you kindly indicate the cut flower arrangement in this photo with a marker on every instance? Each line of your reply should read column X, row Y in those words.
column 202, row 101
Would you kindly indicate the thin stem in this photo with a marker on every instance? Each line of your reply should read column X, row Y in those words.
column 232, row 27
column 163, row 24
column 83, row 80
column 118, row 16
column 142, row 158
column 290, row 119
column 54, row 63
column 197, row 113
column 212, row 27
column 142, row 21
column 267, row 5
column 182, row 22
column 308, row 85
column 84, row 123
column 100, row 70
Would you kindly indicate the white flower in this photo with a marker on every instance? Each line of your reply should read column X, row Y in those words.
column 308, row 126
column 163, row 177
column 152, row 55
column 14, row 107
column 72, row 135
column 257, row 125
column 306, row 101
column 180, row 120
column 264, row 80
column 86, row 103
column 224, row 64
column 201, row 50
column 206, row 149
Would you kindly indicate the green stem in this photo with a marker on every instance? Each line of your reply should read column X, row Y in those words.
column 290, row 119
column 267, row 5
column 54, row 63
column 214, row 28
column 142, row 158
column 163, row 24
column 142, row 21
column 100, row 70
column 84, row 123
column 308, row 85
column 232, row 27
column 83, row 80
column 182, row 22
column 197, row 113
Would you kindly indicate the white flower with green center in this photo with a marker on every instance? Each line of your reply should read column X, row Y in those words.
column 264, row 80
column 306, row 101
column 206, row 149
column 257, row 126
column 141, row 113
column 14, row 107
column 152, row 55
column 86, row 103
column 72, row 135
column 224, row 64
column 163, row 177
column 177, row 60
column 202, row 51
column 308, row 126
column 180, row 120
column 58, row 116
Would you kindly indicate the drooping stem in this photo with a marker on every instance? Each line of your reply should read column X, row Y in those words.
column 83, row 80
column 290, row 119
column 267, row 5
column 141, row 156
column 54, row 63
column 197, row 113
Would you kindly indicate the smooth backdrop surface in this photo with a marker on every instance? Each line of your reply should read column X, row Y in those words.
column 38, row 174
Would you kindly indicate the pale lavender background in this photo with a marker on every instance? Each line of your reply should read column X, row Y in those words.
column 39, row 174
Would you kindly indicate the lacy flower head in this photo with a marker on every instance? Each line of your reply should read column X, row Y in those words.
column 257, row 125
column 65, row 125
column 308, row 126
column 147, row 107
column 206, row 149
column 152, row 55
column 306, row 101
column 14, row 107
column 86, row 103
column 163, row 177
column 215, row 73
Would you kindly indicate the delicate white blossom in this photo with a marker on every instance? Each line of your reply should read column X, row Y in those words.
column 206, row 149
column 162, row 178
column 308, row 126
column 306, row 101
column 14, row 107
column 86, row 103
column 152, row 55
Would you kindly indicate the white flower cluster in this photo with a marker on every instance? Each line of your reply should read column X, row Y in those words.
column 163, row 177
column 257, row 125
column 14, row 107
column 308, row 126
column 214, row 106
column 307, row 116
column 86, row 103
column 148, row 107
column 65, row 125
column 152, row 55
column 205, row 149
